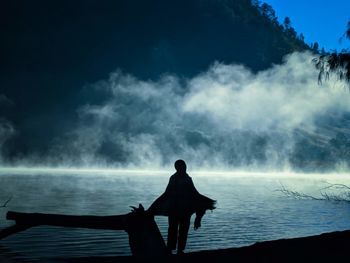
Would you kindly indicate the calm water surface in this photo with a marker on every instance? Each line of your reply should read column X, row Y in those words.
column 249, row 209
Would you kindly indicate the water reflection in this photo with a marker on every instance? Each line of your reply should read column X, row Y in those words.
column 248, row 210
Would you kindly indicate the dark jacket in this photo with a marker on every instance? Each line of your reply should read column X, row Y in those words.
column 181, row 198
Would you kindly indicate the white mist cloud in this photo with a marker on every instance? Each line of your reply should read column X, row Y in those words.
column 224, row 117
column 284, row 97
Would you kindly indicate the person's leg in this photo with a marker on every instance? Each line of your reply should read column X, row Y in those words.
column 172, row 232
column 183, row 232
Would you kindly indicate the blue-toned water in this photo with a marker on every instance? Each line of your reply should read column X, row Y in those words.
column 249, row 209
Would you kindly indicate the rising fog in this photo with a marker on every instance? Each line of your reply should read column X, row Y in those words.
column 224, row 118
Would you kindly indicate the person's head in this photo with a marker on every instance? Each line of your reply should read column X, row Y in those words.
column 180, row 166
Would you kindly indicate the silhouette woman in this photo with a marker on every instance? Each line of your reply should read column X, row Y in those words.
column 179, row 201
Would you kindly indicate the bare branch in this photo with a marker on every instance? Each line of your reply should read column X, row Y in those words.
column 341, row 197
column 296, row 195
column 8, row 200
column 338, row 186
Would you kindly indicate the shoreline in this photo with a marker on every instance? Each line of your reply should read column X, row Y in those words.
column 332, row 246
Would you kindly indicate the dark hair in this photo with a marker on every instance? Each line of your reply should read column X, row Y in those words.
column 180, row 166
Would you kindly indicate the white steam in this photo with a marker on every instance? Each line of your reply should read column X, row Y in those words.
column 284, row 97
column 226, row 117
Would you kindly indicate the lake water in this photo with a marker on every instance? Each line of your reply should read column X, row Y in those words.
column 249, row 209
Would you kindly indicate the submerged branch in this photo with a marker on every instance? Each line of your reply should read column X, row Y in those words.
column 296, row 195
column 338, row 186
column 7, row 201
column 341, row 197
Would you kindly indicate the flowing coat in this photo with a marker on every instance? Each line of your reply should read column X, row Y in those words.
column 181, row 198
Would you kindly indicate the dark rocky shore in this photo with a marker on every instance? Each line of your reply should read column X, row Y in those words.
column 327, row 247
column 331, row 247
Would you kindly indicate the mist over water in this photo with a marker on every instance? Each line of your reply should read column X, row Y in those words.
column 225, row 118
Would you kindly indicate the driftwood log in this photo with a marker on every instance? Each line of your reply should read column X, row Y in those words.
column 145, row 238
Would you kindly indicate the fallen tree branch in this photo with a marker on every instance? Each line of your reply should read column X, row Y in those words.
column 145, row 238
column 296, row 195
column 7, row 201
column 116, row 222
column 341, row 197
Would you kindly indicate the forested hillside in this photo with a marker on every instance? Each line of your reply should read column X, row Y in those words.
column 52, row 50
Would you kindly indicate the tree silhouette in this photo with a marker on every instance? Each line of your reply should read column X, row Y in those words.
column 315, row 47
column 288, row 28
column 268, row 12
column 287, row 23
column 335, row 63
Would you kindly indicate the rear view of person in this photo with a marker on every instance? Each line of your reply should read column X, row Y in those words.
column 179, row 201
